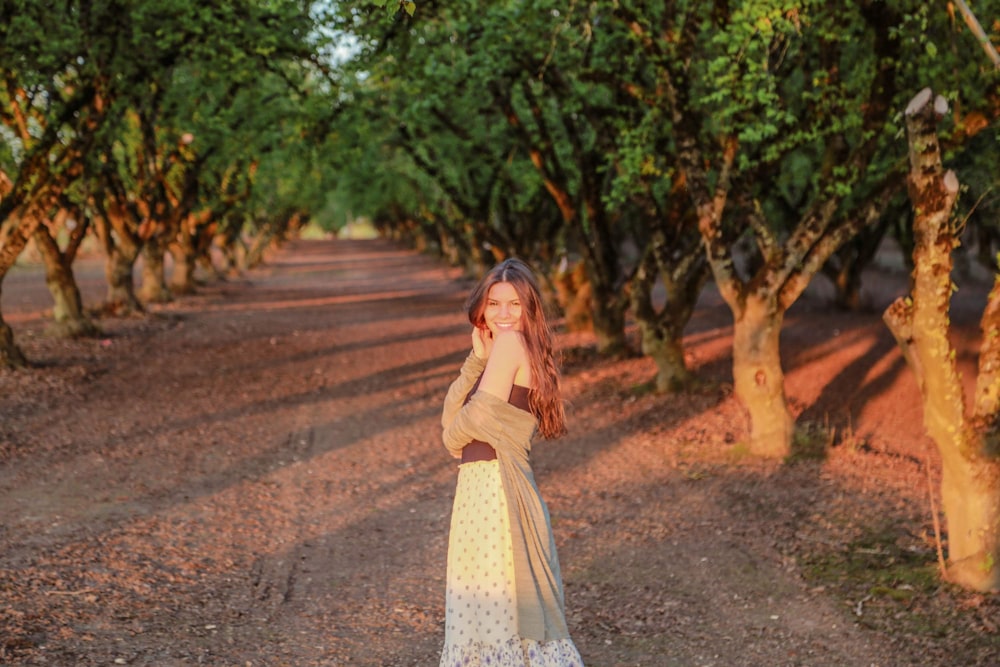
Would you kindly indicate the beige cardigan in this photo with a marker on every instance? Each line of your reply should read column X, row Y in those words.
column 509, row 430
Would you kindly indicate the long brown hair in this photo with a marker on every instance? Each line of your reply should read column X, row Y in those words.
column 544, row 398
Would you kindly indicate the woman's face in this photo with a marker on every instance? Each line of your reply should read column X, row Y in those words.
column 503, row 309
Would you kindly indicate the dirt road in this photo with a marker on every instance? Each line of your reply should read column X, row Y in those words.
column 254, row 476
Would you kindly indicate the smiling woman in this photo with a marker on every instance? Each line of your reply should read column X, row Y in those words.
column 505, row 603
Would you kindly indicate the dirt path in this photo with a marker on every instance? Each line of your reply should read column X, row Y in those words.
column 255, row 477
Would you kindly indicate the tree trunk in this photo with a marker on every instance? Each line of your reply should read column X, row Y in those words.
column 986, row 407
column 14, row 233
column 846, row 266
column 10, row 354
column 667, row 352
column 759, row 382
column 121, row 298
column 970, row 484
column 847, row 287
column 607, row 289
column 261, row 242
column 234, row 252
column 69, row 318
column 971, row 503
column 572, row 288
column 609, row 325
column 597, row 243
column 153, row 288
column 119, row 260
column 206, row 262
column 607, row 300
column 183, row 254
column 683, row 270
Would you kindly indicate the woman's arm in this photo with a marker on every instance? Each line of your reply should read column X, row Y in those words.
column 459, row 389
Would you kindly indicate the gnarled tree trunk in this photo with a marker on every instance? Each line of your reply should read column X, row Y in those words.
column 970, row 485
column 69, row 318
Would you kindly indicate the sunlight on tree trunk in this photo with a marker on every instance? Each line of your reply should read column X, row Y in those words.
column 69, row 318
column 977, row 30
column 572, row 287
column 759, row 382
column 970, row 485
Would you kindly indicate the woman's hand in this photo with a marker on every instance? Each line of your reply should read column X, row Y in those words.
column 482, row 342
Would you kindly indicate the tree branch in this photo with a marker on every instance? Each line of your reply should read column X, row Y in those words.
column 979, row 33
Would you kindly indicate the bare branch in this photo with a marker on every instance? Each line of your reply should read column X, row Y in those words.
column 980, row 34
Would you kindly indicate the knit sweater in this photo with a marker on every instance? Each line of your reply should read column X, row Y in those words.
column 538, row 583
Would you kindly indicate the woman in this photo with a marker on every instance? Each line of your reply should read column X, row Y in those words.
column 504, row 593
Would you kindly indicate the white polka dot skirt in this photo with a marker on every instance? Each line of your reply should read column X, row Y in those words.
column 480, row 611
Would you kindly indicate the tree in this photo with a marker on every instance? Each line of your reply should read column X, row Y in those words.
column 99, row 101
column 967, row 436
column 54, row 101
column 69, row 317
column 783, row 115
column 775, row 121
column 557, row 110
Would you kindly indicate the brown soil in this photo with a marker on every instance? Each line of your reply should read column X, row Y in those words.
column 253, row 476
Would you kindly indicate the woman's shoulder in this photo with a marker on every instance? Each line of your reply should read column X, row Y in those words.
column 507, row 364
column 510, row 344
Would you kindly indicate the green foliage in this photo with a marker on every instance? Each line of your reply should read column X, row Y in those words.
column 744, row 98
column 425, row 131
column 364, row 115
column 210, row 99
column 393, row 6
